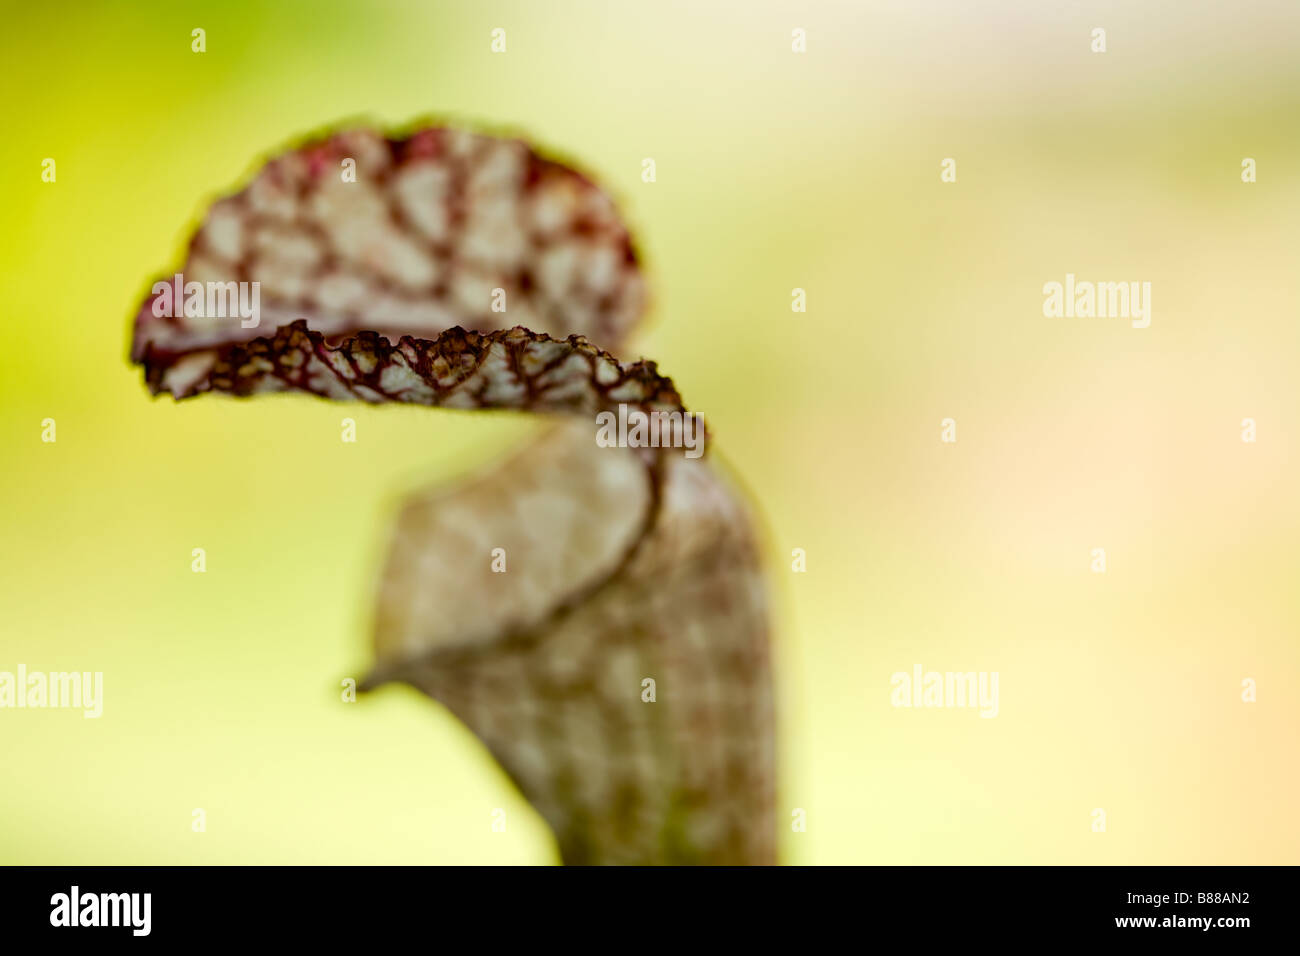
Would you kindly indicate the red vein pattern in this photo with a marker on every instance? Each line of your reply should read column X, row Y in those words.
column 616, row 664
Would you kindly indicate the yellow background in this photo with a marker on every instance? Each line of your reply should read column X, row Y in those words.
column 775, row 171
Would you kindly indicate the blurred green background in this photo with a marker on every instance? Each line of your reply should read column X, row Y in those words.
column 775, row 170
